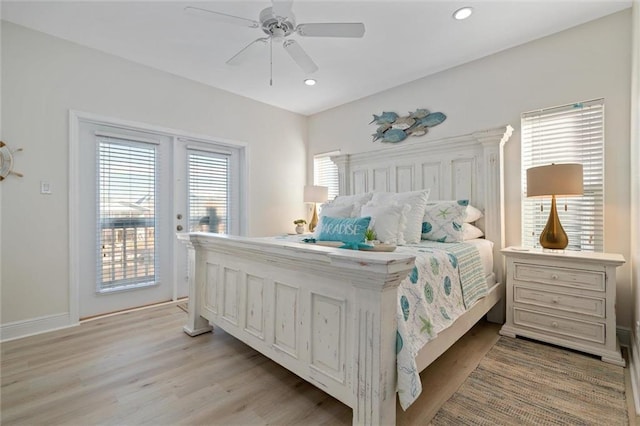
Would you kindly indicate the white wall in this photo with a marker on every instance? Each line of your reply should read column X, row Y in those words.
column 586, row 62
column 42, row 79
column 635, row 205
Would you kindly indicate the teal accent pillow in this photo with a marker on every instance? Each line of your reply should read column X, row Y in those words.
column 346, row 229
column 443, row 221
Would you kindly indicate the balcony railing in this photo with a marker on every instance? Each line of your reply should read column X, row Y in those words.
column 127, row 252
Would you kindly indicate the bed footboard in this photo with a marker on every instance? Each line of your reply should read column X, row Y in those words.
column 326, row 314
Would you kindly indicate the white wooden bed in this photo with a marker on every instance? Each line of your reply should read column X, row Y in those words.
column 329, row 314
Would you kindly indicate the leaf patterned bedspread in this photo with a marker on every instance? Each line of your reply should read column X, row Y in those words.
column 447, row 279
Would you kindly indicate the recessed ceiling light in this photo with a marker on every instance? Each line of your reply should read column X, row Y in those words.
column 462, row 13
column 310, row 82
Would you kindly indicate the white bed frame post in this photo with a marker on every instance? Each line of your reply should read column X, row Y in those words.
column 493, row 148
column 195, row 323
column 375, row 366
column 493, row 142
column 342, row 163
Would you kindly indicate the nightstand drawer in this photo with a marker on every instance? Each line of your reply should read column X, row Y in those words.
column 566, row 302
column 575, row 278
column 584, row 330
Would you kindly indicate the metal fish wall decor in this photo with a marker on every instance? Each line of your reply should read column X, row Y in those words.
column 393, row 129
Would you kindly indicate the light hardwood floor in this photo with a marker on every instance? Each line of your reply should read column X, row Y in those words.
column 140, row 368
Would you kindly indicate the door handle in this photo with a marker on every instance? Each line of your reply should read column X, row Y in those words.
column 179, row 228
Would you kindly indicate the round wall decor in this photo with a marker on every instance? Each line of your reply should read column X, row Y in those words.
column 6, row 161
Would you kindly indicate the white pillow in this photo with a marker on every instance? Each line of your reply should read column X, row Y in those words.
column 356, row 201
column 471, row 232
column 331, row 210
column 418, row 202
column 473, row 214
column 387, row 221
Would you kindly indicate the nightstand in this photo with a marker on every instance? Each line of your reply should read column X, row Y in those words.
column 567, row 299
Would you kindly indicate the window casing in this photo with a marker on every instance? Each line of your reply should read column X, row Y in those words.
column 566, row 134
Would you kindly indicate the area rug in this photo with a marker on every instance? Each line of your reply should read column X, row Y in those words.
column 521, row 382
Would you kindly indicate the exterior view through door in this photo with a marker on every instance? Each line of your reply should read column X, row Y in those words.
column 137, row 187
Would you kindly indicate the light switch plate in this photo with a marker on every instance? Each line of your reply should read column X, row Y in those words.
column 45, row 187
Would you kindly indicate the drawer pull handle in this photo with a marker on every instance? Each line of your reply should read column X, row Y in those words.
column 554, row 276
column 554, row 324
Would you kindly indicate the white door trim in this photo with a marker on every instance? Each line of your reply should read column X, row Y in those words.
column 75, row 118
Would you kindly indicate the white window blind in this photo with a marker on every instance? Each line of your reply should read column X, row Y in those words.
column 325, row 173
column 566, row 134
column 209, row 192
column 126, row 213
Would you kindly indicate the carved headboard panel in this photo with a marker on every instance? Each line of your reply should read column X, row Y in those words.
column 460, row 167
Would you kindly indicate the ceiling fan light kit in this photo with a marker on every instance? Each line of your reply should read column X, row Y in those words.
column 278, row 23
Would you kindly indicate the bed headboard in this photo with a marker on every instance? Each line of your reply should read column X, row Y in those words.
column 460, row 167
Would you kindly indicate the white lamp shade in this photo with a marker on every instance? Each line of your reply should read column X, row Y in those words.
column 555, row 179
column 315, row 194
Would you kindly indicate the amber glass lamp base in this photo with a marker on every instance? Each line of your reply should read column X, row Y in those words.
column 553, row 236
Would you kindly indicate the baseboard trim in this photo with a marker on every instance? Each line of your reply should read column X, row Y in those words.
column 31, row 327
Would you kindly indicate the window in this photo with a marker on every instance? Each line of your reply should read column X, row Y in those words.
column 325, row 173
column 566, row 134
column 126, row 213
column 208, row 191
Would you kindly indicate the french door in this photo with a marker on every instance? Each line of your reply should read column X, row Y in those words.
column 207, row 195
column 124, row 237
column 136, row 189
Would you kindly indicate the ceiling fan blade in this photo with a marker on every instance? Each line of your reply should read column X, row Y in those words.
column 222, row 17
column 246, row 51
column 281, row 8
column 347, row 29
column 298, row 54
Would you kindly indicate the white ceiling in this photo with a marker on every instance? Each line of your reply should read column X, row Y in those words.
column 404, row 40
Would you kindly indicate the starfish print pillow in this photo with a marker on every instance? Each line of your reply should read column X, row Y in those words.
column 443, row 221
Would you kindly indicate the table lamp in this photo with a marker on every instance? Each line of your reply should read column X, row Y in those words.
column 554, row 179
column 315, row 194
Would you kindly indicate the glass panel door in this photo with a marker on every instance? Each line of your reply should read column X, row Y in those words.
column 210, row 201
column 137, row 187
column 125, row 236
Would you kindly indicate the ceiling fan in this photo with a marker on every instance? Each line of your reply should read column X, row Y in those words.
column 279, row 23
